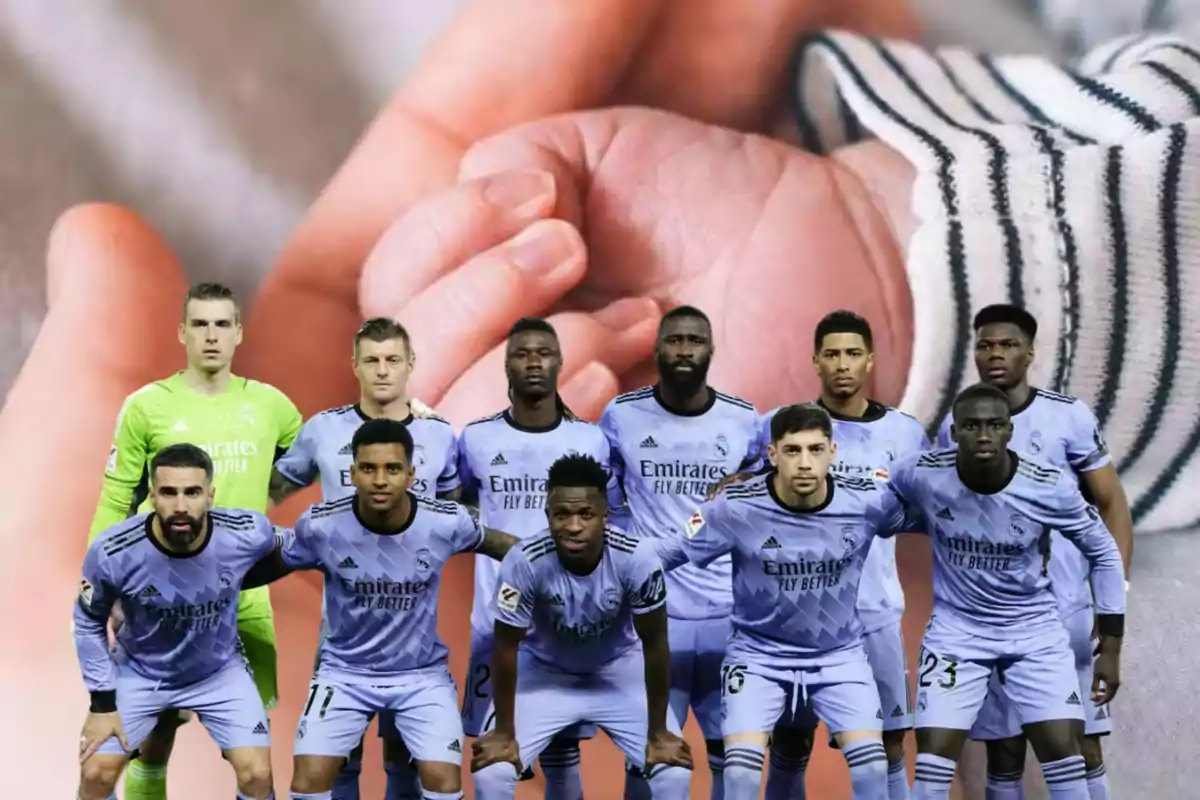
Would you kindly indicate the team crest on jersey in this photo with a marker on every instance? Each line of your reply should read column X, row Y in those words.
column 508, row 598
column 611, row 600
column 1016, row 526
column 423, row 561
column 418, row 459
column 1035, row 442
column 848, row 538
column 694, row 525
column 722, row 445
column 85, row 592
column 225, row 580
column 302, row 729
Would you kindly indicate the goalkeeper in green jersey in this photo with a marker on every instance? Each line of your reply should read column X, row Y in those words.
column 244, row 426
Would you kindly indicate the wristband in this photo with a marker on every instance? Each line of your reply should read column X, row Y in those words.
column 103, row 702
column 1110, row 625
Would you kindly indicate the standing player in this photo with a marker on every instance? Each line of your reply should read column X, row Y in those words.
column 593, row 603
column 176, row 572
column 1062, row 431
column 799, row 537
column 383, row 361
column 243, row 425
column 382, row 551
column 869, row 437
column 990, row 512
column 503, row 462
column 671, row 443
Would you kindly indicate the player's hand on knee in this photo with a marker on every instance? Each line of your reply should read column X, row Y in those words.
column 667, row 748
column 97, row 729
column 495, row 748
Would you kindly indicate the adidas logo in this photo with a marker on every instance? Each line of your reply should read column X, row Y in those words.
column 260, row 729
column 879, row 714
column 454, row 747
column 347, row 563
column 648, row 442
column 771, row 544
column 1101, row 713
column 897, row 712
column 499, row 460
column 149, row 591
column 1073, row 700
column 556, row 600
column 348, row 450
column 945, row 514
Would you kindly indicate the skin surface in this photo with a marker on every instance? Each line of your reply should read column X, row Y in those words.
column 671, row 209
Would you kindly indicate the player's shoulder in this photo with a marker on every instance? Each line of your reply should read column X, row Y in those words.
column 903, row 420
column 433, row 422
column 123, row 537
column 732, row 404
column 1056, row 397
column 480, row 426
column 1031, row 470
column 619, row 542
column 159, row 391
column 854, row 484
column 336, row 414
column 237, row 519
column 939, row 458
column 328, row 512
column 628, row 402
column 534, row 549
column 259, row 391
column 748, row 491
column 432, row 505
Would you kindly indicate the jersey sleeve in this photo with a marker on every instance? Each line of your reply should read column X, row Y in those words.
column 757, row 448
column 902, row 486
column 126, row 465
column 1081, row 523
column 288, row 420
column 943, row 436
column 468, row 533
column 707, row 534
column 1086, row 448
column 449, row 479
column 266, row 538
column 616, row 462
column 97, row 595
column 514, row 595
column 299, row 463
column 466, row 478
column 647, row 586
column 891, row 514
column 299, row 546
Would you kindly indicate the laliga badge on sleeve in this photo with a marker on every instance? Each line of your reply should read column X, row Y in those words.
column 508, row 598
column 694, row 524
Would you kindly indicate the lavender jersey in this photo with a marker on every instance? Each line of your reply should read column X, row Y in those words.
column 579, row 623
column 322, row 450
column 180, row 610
column 1062, row 431
column 866, row 448
column 990, row 551
column 666, row 463
column 504, row 466
column 381, row 589
column 795, row 573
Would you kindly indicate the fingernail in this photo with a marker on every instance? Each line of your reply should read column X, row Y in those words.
column 519, row 191
column 625, row 313
column 543, row 247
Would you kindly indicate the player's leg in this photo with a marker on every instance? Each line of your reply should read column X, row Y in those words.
column 141, row 703
column 402, row 780
column 231, row 710
column 618, row 706
column 999, row 727
column 790, row 750
column 1044, row 687
column 889, row 666
column 146, row 776
column 950, row 692
column 547, row 703
column 711, row 639
column 333, row 719
column 424, row 715
column 1097, row 720
column 752, row 705
column 845, row 698
column 345, row 786
column 560, row 763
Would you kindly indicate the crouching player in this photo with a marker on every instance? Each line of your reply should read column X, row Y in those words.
column 589, row 605
column 177, row 572
column 799, row 537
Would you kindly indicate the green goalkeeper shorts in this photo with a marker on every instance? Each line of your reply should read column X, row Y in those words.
column 258, row 646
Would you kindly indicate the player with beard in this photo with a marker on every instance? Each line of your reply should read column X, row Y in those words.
column 671, row 443
column 383, row 361
column 503, row 464
column 177, row 571
column 1064, row 432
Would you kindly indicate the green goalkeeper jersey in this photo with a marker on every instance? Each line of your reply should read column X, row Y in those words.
column 243, row 430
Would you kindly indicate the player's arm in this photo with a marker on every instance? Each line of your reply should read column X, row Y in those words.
column 470, row 536
column 468, row 485
column 1088, row 455
column 514, row 616
column 449, row 484
column 292, row 550
column 900, row 514
column 97, row 596
column 618, row 502
column 126, row 466
column 648, row 601
column 297, row 468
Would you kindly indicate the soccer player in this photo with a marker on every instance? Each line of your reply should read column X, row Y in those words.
column 799, row 536
column 1062, row 431
column 503, row 462
column 581, row 635
column 382, row 551
column 990, row 512
column 671, row 443
column 243, row 425
column 383, row 361
column 869, row 437
column 176, row 571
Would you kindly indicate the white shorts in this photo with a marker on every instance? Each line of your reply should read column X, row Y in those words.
column 697, row 652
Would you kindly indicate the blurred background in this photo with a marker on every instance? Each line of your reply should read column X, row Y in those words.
column 220, row 122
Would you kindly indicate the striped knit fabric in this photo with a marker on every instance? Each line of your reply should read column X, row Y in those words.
column 1073, row 193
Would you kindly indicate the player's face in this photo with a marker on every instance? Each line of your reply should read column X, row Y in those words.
column 802, row 460
column 843, row 364
column 1002, row 355
column 210, row 333
column 383, row 369
column 532, row 361
column 576, row 516
column 684, row 352
column 981, row 429
column 381, row 473
column 182, row 497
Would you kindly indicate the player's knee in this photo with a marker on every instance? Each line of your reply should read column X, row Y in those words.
column 314, row 774
column 394, row 750
column 792, row 744
column 496, row 782
column 669, row 782
column 440, row 777
column 560, row 750
column 253, row 772
column 1093, row 753
column 715, row 748
column 893, row 745
column 155, row 749
column 98, row 777
column 743, row 770
column 1056, row 739
column 1006, row 756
